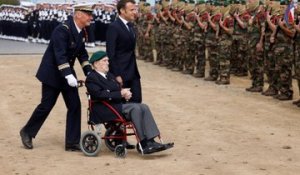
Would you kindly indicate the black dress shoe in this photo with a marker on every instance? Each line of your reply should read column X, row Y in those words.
column 151, row 149
column 26, row 139
column 168, row 145
column 72, row 147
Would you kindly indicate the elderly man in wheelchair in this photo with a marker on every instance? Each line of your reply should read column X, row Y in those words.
column 108, row 105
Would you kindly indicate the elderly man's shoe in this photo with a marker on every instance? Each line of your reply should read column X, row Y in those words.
column 26, row 139
column 72, row 147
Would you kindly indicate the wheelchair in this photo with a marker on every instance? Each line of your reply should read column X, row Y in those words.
column 115, row 136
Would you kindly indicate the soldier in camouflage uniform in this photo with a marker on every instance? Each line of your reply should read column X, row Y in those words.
column 240, row 40
column 199, row 33
column 176, row 40
column 149, row 43
column 297, row 51
column 225, row 31
column 156, row 31
column 283, row 52
column 256, row 29
column 166, row 26
column 140, row 26
column 211, row 41
column 188, row 55
column 272, row 15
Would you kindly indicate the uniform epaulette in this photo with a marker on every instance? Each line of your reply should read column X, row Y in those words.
column 65, row 25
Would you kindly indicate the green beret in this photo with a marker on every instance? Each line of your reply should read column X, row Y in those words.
column 97, row 56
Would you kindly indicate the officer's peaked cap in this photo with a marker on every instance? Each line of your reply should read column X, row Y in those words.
column 83, row 7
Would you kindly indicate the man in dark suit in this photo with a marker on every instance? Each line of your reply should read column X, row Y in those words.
column 57, row 75
column 102, row 86
column 120, row 44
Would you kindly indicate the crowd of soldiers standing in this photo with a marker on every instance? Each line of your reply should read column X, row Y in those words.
column 236, row 37
column 36, row 23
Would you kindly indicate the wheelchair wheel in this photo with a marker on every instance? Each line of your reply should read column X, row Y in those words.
column 112, row 143
column 120, row 151
column 90, row 143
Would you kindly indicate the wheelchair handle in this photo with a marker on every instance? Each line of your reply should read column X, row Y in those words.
column 81, row 83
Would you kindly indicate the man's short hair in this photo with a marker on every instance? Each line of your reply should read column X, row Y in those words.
column 122, row 3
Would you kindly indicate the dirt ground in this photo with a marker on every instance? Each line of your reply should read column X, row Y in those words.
column 217, row 130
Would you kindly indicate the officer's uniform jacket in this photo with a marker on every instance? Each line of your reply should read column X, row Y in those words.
column 65, row 46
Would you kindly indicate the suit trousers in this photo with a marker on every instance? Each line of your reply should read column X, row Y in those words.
column 141, row 117
column 135, row 88
column 41, row 112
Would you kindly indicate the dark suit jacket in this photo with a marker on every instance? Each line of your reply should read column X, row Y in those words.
column 120, row 46
column 65, row 45
column 102, row 89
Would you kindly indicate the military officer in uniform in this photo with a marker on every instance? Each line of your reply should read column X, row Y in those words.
column 57, row 75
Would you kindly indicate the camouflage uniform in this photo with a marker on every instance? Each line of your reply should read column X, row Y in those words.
column 149, row 44
column 270, row 61
column 297, row 56
column 165, row 26
column 198, row 44
column 224, row 47
column 141, row 22
column 211, row 44
column 240, row 44
column 175, row 38
column 283, row 52
column 188, row 36
column 256, row 60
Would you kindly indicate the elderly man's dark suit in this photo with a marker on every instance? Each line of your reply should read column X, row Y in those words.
column 120, row 45
column 65, row 46
column 108, row 89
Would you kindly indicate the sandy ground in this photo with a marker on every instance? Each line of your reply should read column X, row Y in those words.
column 217, row 130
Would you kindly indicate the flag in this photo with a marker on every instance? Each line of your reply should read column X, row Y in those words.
column 289, row 13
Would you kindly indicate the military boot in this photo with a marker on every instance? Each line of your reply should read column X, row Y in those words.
column 157, row 62
column 270, row 92
column 223, row 81
column 241, row 74
column 297, row 102
column 254, row 89
column 198, row 74
column 187, row 71
column 210, row 78
column 284, row 97
column 170, row 66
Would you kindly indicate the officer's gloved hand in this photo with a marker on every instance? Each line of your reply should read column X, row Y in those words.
column 72, row 81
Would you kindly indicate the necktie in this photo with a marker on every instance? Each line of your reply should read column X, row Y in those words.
column 130, row 27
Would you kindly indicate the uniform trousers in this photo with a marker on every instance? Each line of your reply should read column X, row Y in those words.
column 41, row 112
column 135, row 88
